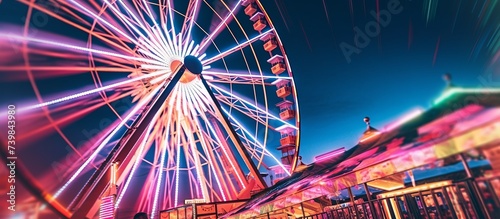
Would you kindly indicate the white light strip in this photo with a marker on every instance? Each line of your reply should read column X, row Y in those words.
column 105, row 141
column 93, row 90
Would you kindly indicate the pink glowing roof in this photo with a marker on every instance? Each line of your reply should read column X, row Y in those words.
column 406, row 147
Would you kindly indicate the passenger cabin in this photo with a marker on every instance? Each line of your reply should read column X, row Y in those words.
column 277, row 64
column 270, row 42
column 288, row 143
column 259, row 21
column 250, row 9
column 286, row 109
column 283, row 88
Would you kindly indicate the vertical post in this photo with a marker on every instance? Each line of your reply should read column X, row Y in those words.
column 99, row 181
column 477, row 193
column 351, row 196
column 302, row 209
column 235, row 138
column 369, row 199
column 194, row 211
column 466, row 166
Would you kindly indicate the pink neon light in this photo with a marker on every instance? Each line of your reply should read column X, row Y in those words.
column 329, row 154
column 107, row 209
column 205, row 42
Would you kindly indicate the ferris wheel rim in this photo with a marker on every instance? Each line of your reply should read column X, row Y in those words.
column 91, row 60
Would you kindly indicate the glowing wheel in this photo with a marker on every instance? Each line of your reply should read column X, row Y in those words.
column 166, row 132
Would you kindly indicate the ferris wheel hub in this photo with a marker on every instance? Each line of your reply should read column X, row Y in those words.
column 193, row 68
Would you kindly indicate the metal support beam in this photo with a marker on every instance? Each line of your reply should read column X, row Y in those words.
column 369, row 199
column 122, row 154
column 477, row 192
column 234, row 137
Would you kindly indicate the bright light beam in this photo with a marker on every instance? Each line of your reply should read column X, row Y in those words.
column 107, row 87
column 222, row 23
column 103, row 143
column 239, row 46
column 135, row 165
column 255, row 140
column 254, row 106
column 162, row 164
column 47, row 42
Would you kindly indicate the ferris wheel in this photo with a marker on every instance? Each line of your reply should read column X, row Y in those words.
column 198, row 98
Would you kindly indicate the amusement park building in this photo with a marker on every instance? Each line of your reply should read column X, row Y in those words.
column 438, row 163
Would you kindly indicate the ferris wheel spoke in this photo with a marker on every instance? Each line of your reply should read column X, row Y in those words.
column 218, row 29
column 226, row 77
column 212, row 167
column 237, row 98
column 103, row 21
column 190, row 17
column 172, row 26
column 109, row 39
column 96, row 90
column 164, row 146
column 147, row 43
column 256, row 141
column 102, row 145
column 210, row 154
column 200, row 174
column 135, row 165
column 236, row 48
column 77, row 48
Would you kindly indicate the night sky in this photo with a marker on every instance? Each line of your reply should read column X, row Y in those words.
column 397, row 71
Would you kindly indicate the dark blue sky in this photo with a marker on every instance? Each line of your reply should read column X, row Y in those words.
column 399, row 69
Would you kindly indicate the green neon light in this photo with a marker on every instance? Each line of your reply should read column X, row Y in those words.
column 449, row 93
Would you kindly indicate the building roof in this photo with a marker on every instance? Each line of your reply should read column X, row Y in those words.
column 461, row 116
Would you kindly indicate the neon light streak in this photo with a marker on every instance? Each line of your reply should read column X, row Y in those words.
column 155, row 67
column 107, row 87
column 104, row 142
column 202, row 56
column 188, row 51
column 450, row 92
column 222, row 23
column 188, row 127
column 162, row 164
column 148, row 53
column 63, row 45
column 226, row 154
column 243, row 75
column 170, row 44
column 146, row 5
column 412, row 114
column 170, row 14
column 178, row 161
column 163, row 42
column 104, row 21
column 193, row 52
column 370, row 137
column 256, row 141
column 188, row 34
column 203, row 142
column 135, row 165
column 158, row 79
column 125, row 20
column 239, row 46
column 328, row 155
column 254, row 106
